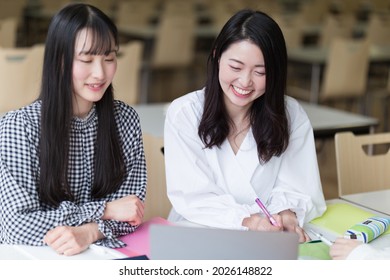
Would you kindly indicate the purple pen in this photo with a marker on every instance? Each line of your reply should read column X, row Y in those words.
column 262, row 207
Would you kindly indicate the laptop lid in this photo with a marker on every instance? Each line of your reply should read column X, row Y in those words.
column 194, row 243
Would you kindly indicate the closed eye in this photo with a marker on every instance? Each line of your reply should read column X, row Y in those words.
column 235, row 68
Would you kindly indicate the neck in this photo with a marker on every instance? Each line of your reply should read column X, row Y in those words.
column 81, row 109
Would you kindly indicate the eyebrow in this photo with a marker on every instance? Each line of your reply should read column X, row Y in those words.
column 83, row 52
column 240, row 62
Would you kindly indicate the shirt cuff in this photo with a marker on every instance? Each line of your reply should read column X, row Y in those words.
column 109, row 240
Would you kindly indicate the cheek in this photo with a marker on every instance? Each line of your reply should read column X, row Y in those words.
column 225, row 76
column 261, row 83
column 111, row 70
column 79, row 71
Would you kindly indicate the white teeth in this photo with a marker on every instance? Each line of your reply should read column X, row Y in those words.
column 241, row 91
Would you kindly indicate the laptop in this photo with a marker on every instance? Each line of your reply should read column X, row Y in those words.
column 169, row 242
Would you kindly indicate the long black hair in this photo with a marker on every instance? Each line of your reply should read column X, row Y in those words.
column 57, row 111
column 268, row 116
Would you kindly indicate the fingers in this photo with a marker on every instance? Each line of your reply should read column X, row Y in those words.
column 67, row 240
column 58, row 241
column 303, row 236
column 126, row 209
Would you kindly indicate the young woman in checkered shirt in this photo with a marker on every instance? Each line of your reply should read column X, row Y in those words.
column 72, row 165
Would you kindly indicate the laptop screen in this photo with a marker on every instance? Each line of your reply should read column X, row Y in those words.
column 194, row 243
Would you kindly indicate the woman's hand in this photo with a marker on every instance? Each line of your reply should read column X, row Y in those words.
column 258, row 223
column 128, row 209
column 290, row 224
column 342, row 247
column 68, row 241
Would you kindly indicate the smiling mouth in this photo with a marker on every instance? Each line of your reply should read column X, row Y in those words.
column 241, row 91
column 96, row 86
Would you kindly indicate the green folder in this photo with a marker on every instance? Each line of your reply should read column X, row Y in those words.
column 338, row 218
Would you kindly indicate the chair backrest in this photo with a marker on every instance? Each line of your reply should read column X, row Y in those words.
column 346, row 69
column 8, row 32
column 12, row 8
column 336, row 27
column 106, row 6
column 378, row 30
column 175, row 42
column 350, row 6
column 175, row 7
column 357, row 169
column 34, row 68
column 135, row 12
column 52, row 6
column 127, row 78
column 379, row 6
column 20, row 76
column 157, row 203
column 292, row 28
column 314, row 11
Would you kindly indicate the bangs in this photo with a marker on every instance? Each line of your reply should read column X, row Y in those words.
column 102, row 41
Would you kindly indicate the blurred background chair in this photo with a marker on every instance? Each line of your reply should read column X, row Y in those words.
column 8, row 32
column 128, row 74
column 313, row 12
column 135, row 13
column 359, row 167
column 171, row 58
column 345, row 73
column 157, row 203
column 292, row 28
column 336, row 27
column 20, row 76
column 378, row 29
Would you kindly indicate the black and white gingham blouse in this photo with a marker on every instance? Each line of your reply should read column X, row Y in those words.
column 24, row 219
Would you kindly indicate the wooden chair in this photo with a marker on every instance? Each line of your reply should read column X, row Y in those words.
column 34, row 68
column 174, row 46
column 292, row 28
column 357, row 169
column 172, row 58
column 12, row 8
column 20, row 76
column 127, row 78
column 157, row 203
column 345, row 73
column 313, row 12
column 336, row 27
column 52, row 6
column 378, row 30
column 135, row 13
column 8, row 32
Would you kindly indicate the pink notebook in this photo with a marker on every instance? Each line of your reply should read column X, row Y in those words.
column 138, row 241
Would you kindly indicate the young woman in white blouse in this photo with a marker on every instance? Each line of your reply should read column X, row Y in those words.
column 241, row 138
column 72, row 165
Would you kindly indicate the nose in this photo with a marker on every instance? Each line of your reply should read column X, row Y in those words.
column 98, row 71
column 246, row 79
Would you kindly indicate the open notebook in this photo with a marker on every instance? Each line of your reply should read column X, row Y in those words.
column 169, row 242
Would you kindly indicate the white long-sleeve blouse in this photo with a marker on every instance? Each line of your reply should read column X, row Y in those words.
column 217, row 188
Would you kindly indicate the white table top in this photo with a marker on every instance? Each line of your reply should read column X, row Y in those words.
column 376, row 200
column 325, row 121
column 24, row 252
